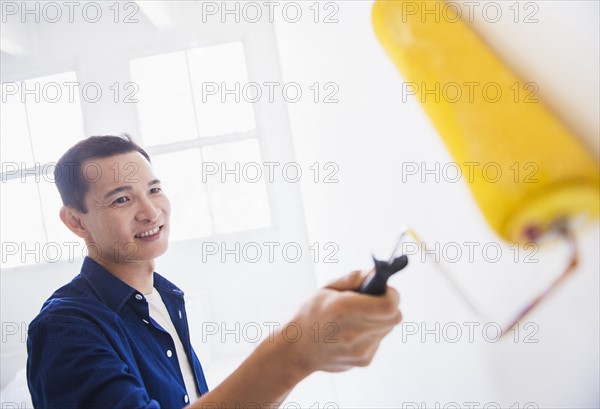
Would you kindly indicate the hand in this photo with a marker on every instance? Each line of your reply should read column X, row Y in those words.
column 338, row 328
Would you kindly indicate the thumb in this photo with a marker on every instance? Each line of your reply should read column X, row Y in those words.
column 350, row 281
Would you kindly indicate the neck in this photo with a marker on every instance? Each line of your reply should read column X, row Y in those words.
column 137, row 274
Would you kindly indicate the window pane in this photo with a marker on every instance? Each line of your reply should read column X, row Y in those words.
column 21, row 227
column 14, row 135
column 179, row 174
column 215, row 70
column 54, row 126
column 165, row 107
column 242, row 204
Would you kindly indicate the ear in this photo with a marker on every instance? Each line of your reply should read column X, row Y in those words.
column 72, row 219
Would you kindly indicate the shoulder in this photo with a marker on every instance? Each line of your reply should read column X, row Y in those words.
column 72, row 304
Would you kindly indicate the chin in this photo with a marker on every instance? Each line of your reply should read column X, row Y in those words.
column 162, row 250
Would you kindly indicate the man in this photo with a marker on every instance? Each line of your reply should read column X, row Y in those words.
column 117, row 334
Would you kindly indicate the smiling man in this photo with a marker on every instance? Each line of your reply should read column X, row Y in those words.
column 117, row 335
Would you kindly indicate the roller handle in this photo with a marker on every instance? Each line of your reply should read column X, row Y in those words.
column 377, row 283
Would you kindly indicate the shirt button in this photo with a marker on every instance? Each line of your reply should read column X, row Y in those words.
column 180, row 316
column 139, row 296
column 169, row 353
column 145, row 321
column 186, row 399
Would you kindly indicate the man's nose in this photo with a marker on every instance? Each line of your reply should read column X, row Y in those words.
column 147, row 210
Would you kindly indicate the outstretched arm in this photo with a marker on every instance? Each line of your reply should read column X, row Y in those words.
column 351, row 327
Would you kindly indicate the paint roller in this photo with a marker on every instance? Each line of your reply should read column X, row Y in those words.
column 482, row 118
column 558, row 179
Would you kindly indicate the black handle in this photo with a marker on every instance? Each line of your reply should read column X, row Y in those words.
column 377, row 283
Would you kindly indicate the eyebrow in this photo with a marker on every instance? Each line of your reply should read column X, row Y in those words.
column 127, row 188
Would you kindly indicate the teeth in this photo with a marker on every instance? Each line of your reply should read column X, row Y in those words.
column 148, row 233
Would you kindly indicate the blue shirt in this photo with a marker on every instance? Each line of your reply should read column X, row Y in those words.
column 94, row 345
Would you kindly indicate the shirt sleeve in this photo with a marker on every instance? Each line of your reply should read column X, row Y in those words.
column 72, row 364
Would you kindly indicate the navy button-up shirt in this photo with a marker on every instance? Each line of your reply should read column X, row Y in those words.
column 94, row 345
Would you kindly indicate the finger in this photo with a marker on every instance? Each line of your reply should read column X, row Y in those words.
column 393, row 294
column 374, row 336
column 392, row 320
column 348, row 282
column 362, row 352
column 375, row 307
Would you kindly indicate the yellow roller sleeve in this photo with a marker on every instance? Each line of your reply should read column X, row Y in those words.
column 525, row 169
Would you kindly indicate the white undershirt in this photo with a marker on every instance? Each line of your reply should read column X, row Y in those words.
column 160, row 314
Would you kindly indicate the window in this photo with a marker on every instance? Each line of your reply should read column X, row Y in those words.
column 39, row 123
column 197, row 114
column 193, row 117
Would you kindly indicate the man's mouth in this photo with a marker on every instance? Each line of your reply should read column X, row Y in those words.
column 148, row 233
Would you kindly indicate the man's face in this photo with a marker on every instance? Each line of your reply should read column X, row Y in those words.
column 128, row 213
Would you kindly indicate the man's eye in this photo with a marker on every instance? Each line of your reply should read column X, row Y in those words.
column 155, row 190
column 121, row 200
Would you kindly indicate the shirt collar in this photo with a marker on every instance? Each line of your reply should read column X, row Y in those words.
column 115, row 292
